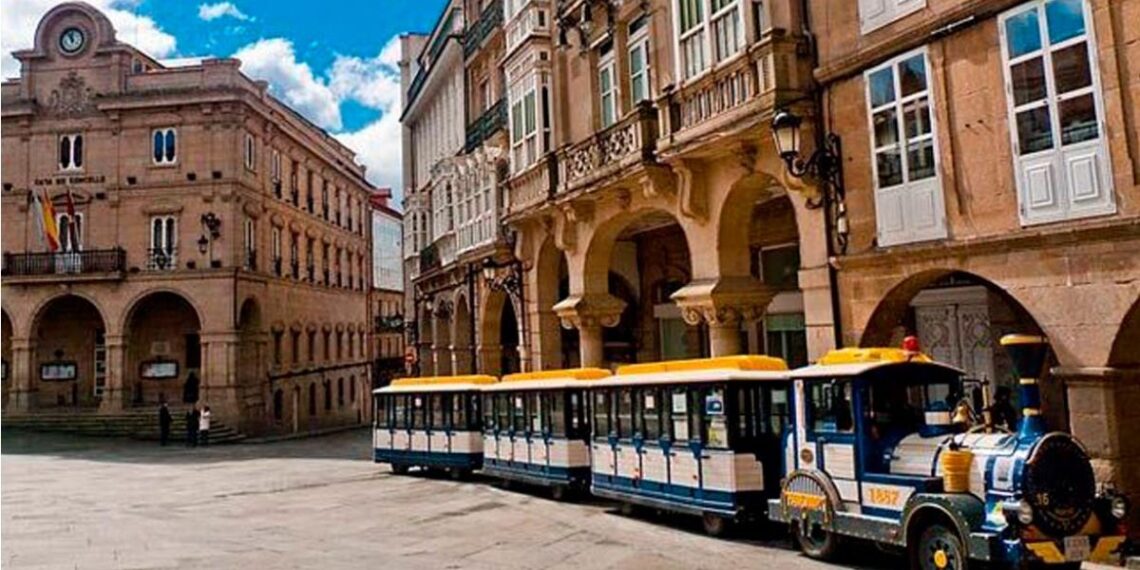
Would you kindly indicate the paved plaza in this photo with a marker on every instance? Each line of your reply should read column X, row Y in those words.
column 320, row 503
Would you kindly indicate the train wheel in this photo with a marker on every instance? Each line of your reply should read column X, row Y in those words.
column 939, row 548
column 399, row 469
column 714, row 524
column 815, row 541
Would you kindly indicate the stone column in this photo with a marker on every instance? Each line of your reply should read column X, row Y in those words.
column 218, row 382
column 590, row 313
column 116, row 394
column 22, row 395
column 461, row 359
column 723, row 303
column 819, row 319
column 1104, row 408
column 490, row 359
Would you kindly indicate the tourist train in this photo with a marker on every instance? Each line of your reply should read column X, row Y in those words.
column 878, row 444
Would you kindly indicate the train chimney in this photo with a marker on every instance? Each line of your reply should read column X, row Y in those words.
column 1028, row 353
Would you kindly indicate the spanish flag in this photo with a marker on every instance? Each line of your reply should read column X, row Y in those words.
column 47, row 220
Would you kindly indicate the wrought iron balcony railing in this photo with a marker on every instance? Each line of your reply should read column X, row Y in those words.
column 429, row 258
column 162, row 259
column 251, row 260
column 65, row 263
column 490, row 19
column 483, row 127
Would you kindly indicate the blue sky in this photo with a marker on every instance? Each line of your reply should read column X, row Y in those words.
column 333, row 60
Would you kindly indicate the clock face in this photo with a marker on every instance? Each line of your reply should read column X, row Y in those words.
column 71, row 40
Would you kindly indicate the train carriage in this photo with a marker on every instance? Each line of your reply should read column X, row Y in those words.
column 537, row 429
column 700, row 437
column 430, row 423
column 882, row 449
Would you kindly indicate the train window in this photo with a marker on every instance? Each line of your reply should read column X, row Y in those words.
column 435, row 418
column 830, row 406
column 459, row 411
column 489, row 412
column 382, row 419
column 557, row 402
column 679, row 406
column 777, row 410
column 474, row 411
column 601, row 414
column 579, row 423
column 715, row 418
column 651, row 417
column 502, row 411
column 537, row 421
column 400, row 412
column 749, row 413
column 419, row 408
column 625, row 427
column 519, row 413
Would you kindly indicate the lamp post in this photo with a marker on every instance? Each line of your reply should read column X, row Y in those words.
column 211, row 230
column 825, row 165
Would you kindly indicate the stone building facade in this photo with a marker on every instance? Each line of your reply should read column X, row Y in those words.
column 463, row 281
column 387, row 284
column 210, row 236
column 990, row 153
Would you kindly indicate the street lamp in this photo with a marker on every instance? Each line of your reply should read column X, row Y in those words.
column 824, row 165
column 203, row 244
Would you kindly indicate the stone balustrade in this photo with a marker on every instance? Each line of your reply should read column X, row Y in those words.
column 608, row 152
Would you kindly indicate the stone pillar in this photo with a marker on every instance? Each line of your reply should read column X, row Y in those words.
column 723, row 303
column 426, row 358
column 819, row 319
column 218, row 383
column 442, row 356
column 116, row 393
column 1104, row 408
column 22, row 394
column 461, row 359
column 589, row 313
column 490, row 359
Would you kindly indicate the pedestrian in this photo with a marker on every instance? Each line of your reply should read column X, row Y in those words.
column 164, row 422
column 192, row 427
column 204, row 426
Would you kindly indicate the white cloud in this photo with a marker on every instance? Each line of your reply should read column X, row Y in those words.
column 378, row 148
column 292, row 81
column 19, row 18
column 373, row 82
column 210, row 12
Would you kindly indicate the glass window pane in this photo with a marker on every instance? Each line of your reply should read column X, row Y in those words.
column 882, row 87
column 1034, row 130
column 886, row 127
column 1023, row 35
column 889, row 164
column 1028, row 81
column 170, row 145
column 920, row 159
column 912, row 75
column 77, row 151
column 1071, row 68
column 636, row 59
column 625, row 425
column 529, row 112
column 1065, row 19
column 157, row 146
column 780, row 267
column 1078, row 119
column 64, row 152
column 605, row 79
column 916, row 117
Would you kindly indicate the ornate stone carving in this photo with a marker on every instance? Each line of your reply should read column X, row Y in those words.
column 692, row 196
column 589, row 311
column 72, row 98
column 723, row 301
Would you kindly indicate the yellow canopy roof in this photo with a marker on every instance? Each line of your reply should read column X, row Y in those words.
column 433, row 380
column 744, row 362
column 567, row 374
column 869, row 355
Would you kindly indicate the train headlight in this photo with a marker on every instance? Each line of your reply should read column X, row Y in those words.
column 1019, row 511
column 1118, row 507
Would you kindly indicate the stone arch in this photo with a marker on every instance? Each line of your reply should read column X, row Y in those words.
column 37, row 312
column 599, row 252
column 554, row 345
column 734, row 221
column 500, row 334
column 68, row 334
column 163, row 349
column 251, row 340
column 133, row 303
column 1126, row 347
column 102, row 34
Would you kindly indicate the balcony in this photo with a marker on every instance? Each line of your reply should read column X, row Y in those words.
column 488, row 22
column 251, row 260
column 162, row 259
column 72, row 265
column 610, row 152
column 429, row 259
column 533, row 19
column 532, row 186
column 483, row 127
column 736, row 96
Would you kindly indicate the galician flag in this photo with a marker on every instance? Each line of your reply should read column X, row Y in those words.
column 47, row 220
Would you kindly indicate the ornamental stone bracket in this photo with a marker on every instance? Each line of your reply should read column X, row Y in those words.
column 723, row 301
column 589, row 311
column 691, row 193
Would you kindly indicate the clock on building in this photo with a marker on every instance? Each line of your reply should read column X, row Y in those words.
column 71, row 40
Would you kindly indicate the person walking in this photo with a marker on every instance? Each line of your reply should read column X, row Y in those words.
column 164, row 422
column 192, row 427
column 204, row 426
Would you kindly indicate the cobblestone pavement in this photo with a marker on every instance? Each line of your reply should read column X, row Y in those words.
column 320, row 503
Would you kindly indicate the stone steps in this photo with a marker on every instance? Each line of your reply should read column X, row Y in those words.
column 135, row 424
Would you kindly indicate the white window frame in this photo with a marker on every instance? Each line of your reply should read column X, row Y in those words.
column 639, row 42
column 1051, row 167
column 703, row 45
column 71, row 164
column 607, row 98
column 65, row 245
column 275, row 243
column 250, row 153
column 524, row 142
column 874, row 14
column 250, row 235
column 167, row 241
column 275, row 166
column 165, row 160
column 906, row 227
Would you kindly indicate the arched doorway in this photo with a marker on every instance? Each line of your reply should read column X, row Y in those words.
column 441, row 342
column 425, row 355
column 250, row 358
column 509, row 340
column 164, row 351
column 643, row 258
column 70, row 364
column 499, row 335
column 1126, row 348
column 959, row 318
column 773, row 255
column 5, row 358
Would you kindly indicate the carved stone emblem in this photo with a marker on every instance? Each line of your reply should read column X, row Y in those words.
column 71, row 98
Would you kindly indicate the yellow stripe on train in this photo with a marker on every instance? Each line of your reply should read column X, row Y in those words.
column 744, row 362
column 432, row 380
